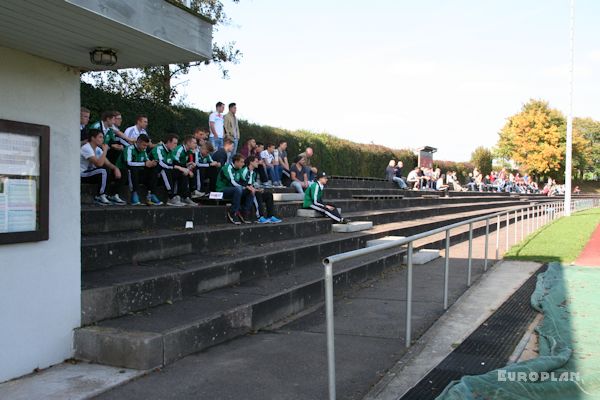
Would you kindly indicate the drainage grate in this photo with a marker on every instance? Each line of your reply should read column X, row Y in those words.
column 486, row 349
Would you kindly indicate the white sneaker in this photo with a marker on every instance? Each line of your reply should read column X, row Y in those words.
column 175, row 201
column 102, row 200
column 268, row 185
column 189, row 202
column 116, row 200
column 196, row 194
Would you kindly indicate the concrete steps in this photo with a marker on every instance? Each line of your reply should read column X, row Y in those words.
column 101, row 251
column 153, row 292
column 127, row 287
column 162, row 334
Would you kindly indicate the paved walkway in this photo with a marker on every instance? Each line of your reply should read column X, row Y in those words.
column 590, row 256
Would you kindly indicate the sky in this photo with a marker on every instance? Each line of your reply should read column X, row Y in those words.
column 401, row 73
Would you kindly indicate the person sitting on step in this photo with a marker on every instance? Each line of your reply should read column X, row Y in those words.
column 95, row 168
column 313, row 199
column 222, row 155
column 299, row 175
column 181, row 158
column 228, row 182
column 136, row 163
column 206, row 169
column 106, row 125
column 412, row 180
column 260, row 196
column 170, row 173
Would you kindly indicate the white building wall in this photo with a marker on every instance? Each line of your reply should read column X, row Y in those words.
column 40, row 287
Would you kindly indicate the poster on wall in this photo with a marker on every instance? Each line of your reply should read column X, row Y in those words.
column 23, row 182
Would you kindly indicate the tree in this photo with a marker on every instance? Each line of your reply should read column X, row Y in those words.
column 482, row 158
column 535, row 138
column 589, row 129
column 156, row 83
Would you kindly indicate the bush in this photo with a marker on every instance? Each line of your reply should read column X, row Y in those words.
column 331, row 154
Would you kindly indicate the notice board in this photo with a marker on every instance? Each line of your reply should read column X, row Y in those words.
column 24, row 185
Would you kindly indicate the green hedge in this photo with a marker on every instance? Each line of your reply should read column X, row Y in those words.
column 331, row 154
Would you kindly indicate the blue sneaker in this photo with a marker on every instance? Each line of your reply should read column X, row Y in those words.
column 135, row 199
column 274, row 220
column 263, row 220
column 153, row 200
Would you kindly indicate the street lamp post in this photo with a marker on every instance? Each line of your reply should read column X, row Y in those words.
column 569, row 158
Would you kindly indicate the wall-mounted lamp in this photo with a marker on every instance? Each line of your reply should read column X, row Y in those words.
column 103, row 56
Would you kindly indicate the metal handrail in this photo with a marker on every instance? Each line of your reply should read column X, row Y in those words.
column 538, row 214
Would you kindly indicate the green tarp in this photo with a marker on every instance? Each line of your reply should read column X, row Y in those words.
column 568, row 366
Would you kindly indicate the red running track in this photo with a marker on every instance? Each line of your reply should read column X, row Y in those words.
column 590, row 256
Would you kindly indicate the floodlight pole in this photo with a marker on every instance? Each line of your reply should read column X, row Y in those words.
column 569, row 158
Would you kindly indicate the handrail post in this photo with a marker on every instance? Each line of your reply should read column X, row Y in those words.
column 522, row 224
column 470, row 254
column 409, row 294
column 487, row 240
column 516, row 225
column 447, row 269
column 498, row 238
column 507, row 226
column 330, row 327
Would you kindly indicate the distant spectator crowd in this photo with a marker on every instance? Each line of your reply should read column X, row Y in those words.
column 207, row 161
column 423, row 178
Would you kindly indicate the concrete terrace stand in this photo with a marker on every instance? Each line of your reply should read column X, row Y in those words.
column 40, row 80
column 154, row 292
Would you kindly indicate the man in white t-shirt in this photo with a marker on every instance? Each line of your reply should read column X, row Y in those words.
column 268, row 157
column 141, row 123
column 94, row 168
column 216, row 123
column 413, row 179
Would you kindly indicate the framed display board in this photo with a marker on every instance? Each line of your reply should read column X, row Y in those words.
column 24, row 185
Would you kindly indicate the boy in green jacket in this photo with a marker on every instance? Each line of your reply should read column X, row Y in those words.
column 140, row 169
column 172, row 174
column 183, row 157
column 313, row 199
column 228, row 182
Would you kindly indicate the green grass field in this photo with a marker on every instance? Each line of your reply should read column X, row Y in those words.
column 561, row 240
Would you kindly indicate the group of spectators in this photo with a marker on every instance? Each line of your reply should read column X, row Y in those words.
column 203, row 162
column 419, row 178
column 423, row 178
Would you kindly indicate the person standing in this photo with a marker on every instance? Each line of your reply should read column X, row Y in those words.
column 232, row 128
column 216, row 124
